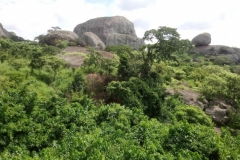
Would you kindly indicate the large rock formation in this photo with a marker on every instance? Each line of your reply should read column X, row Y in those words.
column 203, row 39
column 219, row 110
column 3, row 32
column 219, row 53
column 11, row 35
column 111, row 30
column 54, row 37
column 93, row 40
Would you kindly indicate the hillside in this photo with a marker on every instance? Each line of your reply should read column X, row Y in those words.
column 158, row 102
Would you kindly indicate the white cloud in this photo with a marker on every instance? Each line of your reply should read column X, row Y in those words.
column 191, row 17
column 29, row 18
column 34, row 17
column 130, row 5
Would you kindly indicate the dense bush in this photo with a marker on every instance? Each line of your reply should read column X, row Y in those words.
column 221, row 60
column 119, row 49
column 118, row 111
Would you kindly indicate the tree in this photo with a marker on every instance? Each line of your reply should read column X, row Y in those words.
column 119, row 49
column 54, row 63
column 136, row 93
column 94, row 58
column 40, row 39
column 168, row 42
column 56, row 28
column 124, row 70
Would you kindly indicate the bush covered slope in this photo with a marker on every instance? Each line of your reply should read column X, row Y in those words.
column 114, row 108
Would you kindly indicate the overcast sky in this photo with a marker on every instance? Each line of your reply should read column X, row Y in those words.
column 220, row 18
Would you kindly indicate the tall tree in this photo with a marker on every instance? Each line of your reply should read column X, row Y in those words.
column 167, row 42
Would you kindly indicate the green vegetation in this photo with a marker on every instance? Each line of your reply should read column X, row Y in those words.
column 114, row 108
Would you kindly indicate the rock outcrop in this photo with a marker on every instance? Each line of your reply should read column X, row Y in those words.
column 203, row 39
column 3, row 32
column 54, row 37
column 93, row 40
column 11, row 35
column 218, row 110
column 111, row 30
column 219, row 54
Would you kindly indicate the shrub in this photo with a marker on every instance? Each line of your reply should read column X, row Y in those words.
column 50, row 50
column 221, row 60
column 223, row 50
column 136, row 93
column 193, row 138
column 179, row 74
column 192, row 114
column 119, row 49
column 62, row 44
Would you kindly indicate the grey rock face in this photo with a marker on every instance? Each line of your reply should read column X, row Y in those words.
column 93, row 40
column 111, row 30
column 203, row 39
column 11, row 35
column 219, row 111
column 216, row 52
column 53, row 37
column 2, row 31
column 218, row 115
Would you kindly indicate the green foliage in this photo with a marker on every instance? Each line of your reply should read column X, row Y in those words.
column 179, row 74
column 46, row 112
column 235, row 69
column 62, row 44
column 40, row 39
column 3, row 56
column 78, row 84
column 230, row 148
column 195, row 139
column 5, row 44
column 124, row 69
column 94, row 58
column 136, row 93
column 53, row 62
column 168, row 42
column 221, row 60
column 96, row 62
column 192, row 115
column 119, row 49
column 18, row 63
column 50, row 50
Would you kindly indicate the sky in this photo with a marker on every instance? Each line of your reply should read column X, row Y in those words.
column 220, row 18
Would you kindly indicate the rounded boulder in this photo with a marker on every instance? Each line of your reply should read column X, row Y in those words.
column 203, row 39
column 54, row 37
column 93, row 40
